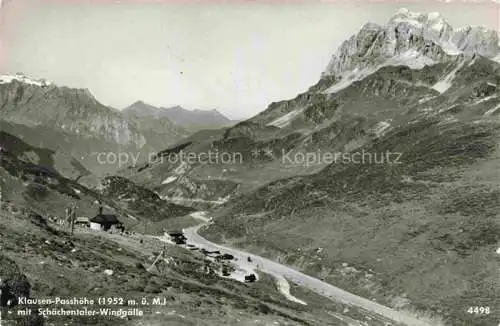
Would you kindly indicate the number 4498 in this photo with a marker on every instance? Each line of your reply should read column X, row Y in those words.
column 479, row 310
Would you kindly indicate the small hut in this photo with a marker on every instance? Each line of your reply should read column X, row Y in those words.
column 104, row 222
column 82, row 222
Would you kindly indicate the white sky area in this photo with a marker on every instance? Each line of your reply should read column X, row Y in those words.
column 237, row 58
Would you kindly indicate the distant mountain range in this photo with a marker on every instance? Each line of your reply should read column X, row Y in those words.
column 72, row 121
column 193, row 120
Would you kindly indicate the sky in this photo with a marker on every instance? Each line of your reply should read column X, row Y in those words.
column 237, row 57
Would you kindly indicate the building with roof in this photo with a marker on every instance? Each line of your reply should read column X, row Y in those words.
column 104, row 222
column 82, row 221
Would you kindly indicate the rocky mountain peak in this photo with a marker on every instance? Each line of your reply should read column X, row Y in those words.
column 140, row 108
column 22, row 78
column 432, row 26
column 409, row 38
column 476, row 39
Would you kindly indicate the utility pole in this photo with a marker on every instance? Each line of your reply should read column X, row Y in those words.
column 72, row 213
column 1, row 310
column 1, row 203
column 68, row 216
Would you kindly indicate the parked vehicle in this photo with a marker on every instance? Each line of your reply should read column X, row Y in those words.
column 250, row 278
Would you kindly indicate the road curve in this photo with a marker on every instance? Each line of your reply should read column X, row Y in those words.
column 324, row 289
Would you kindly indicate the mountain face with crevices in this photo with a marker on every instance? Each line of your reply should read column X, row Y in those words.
column 192, row 120
column 408, row 39
column 408, row 35
column 73, row 110
column 72, row 120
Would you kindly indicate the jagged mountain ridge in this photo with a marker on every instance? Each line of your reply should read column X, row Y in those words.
column 409, row 39
column 189, row 117
column 192, row 119
column 74, row 121
column 141, row 109
column 73, row 110
column 430, row 35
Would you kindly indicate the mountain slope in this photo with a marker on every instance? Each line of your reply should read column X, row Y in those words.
column 195, row 117
column 74, row 110
column 142, row 109
column 425, row 227
column 193, row 120
column 157, row 129
column 29, row 177
column 56, row 160
column 40, row 258
column 78, row 123
column 39, row 261
column 403, row 206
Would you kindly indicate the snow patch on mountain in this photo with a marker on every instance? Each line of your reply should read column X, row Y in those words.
column 446, row 109
column 350, row 77
column 169, row 180
column 450, row 48
column 412, row 59
column 446, row 82
column 485, row 99
column 182, row 168
column 425, row 99
column 6, row 79
column 286, row 119
column 492, row 110
column 381, row 128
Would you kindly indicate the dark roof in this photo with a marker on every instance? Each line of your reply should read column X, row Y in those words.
column 175, row 233
column 105, row 219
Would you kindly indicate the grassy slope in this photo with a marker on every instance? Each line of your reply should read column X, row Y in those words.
column 327, row 123
column 35, row 252
column 140, row 201
column 41, row 188
column 38, row 260
column 426, row 229
column 63, row 163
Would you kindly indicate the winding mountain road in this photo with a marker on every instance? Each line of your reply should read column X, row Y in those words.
column 324, row 289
